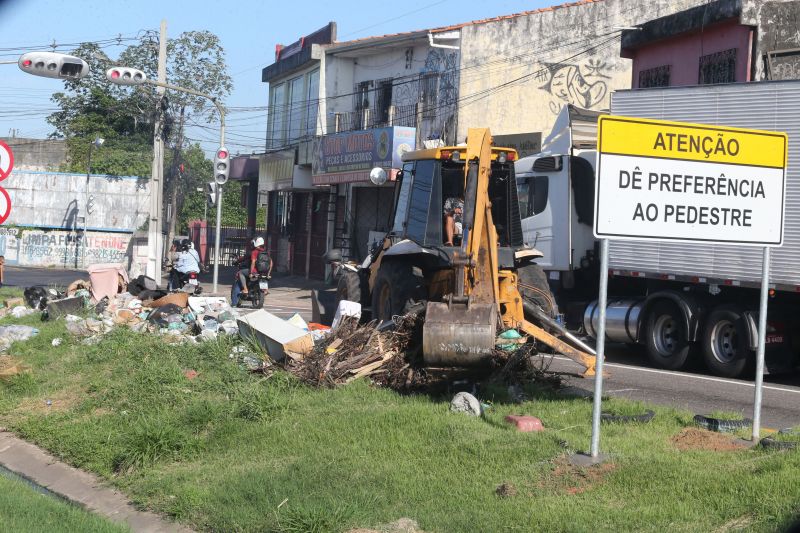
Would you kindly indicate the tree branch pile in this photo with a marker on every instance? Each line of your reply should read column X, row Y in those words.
column 389, row 357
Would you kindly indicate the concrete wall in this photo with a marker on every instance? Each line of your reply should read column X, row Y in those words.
column 37, row 154
column 58, row 200
column 538, row 49
column 683, row 53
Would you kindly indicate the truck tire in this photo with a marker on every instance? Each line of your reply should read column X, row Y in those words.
column 397, row 287
column 534, row 288
column 666, row 336
column 725, row 347
column 349, row 287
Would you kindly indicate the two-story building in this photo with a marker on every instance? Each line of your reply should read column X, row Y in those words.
column 297, row 212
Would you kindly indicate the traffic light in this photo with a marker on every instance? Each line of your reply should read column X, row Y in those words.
column 211, row 192
column 126, row 76
column 90, row 205
column 53, row 65
column 221, row 165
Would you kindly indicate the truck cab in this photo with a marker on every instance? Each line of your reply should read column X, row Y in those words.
column 556, row 192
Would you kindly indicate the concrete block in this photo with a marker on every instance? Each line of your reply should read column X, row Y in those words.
column 524, row 423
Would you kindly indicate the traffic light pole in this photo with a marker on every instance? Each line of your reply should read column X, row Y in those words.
column 154, row 234
column 221, row 112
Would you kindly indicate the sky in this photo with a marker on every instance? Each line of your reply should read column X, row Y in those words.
column 248, row 30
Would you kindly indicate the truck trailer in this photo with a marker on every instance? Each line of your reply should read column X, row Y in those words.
column 678, row 300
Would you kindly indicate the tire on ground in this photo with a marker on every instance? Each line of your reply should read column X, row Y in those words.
column 666, row 336
column 258, row 298
column 397, row 286
column 534, row 288
column 726, row 351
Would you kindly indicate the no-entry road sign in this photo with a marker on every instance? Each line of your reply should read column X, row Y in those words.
column 659, row 180
column 6, row 160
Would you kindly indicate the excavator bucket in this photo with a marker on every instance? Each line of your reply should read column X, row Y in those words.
column 459, row 334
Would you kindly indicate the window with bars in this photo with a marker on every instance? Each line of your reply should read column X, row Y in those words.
column 429, row 94
column 719, row 67
column 654, row 77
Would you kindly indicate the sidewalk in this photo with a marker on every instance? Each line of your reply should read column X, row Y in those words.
column 77, row 486
column 287, row 294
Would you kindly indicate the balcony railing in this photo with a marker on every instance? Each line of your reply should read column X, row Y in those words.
column 362, row 119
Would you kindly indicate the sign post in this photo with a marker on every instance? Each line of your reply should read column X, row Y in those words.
column 695, row 183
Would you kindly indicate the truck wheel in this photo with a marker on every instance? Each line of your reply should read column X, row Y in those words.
column 725, row 347
column 667, row 339
column 349, row 287
column 396, row 286
column 533, row 287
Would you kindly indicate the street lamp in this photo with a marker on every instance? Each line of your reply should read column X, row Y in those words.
column 132, row 76
column 96, row 143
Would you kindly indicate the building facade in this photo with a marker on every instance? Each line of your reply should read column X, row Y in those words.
column 518, row 71
column 725, row 41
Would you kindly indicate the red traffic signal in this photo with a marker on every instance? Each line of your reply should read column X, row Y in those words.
column 126, row 76
column 221, row 165
column 53, row 65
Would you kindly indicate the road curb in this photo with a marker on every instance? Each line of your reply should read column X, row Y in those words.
column 82, row 488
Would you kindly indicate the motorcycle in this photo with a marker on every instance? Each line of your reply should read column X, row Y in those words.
column 257, row 289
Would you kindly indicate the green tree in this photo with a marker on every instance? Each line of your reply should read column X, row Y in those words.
column 125, row 115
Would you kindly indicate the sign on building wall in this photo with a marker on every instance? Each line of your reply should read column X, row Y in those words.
column 659, row 180
column 524, row 143
column 347, row 157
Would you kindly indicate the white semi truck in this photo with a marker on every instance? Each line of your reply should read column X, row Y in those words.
column 679, row 301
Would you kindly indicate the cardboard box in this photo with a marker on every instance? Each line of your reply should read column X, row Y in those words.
column 13, row 302
column 275, row 335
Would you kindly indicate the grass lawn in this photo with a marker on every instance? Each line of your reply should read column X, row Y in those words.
column 24, row 510
column 233, row 451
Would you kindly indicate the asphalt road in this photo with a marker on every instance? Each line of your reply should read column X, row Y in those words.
column 630, row 376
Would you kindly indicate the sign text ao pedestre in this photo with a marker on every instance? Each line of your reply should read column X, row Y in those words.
column 661, row 180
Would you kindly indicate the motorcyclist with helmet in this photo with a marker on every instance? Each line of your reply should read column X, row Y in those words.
column 186, row 262
column 256, row 262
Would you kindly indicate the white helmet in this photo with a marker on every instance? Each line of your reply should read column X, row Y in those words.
column 258, row 241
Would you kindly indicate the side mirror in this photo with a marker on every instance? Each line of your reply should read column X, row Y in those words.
column 333, row 256
column 377, row 176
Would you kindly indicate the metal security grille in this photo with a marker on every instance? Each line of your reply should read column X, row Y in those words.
column 719, row 67
column 654, row 77
column 429, row 94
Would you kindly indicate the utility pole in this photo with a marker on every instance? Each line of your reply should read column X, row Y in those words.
column 155, row 245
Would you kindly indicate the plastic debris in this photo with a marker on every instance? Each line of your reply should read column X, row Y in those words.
column 21, row 311
column 57, row 341
column 10, row 334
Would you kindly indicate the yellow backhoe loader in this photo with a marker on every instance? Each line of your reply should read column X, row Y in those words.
column 475, row 277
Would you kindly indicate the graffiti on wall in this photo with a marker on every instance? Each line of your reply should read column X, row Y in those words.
column 581, row 85
column 63, row 249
